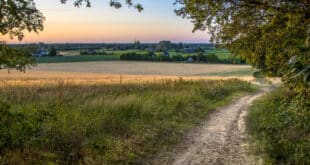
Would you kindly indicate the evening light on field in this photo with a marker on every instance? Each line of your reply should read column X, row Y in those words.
column 165, row 82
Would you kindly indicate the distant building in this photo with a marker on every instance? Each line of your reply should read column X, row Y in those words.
column 40, row 53
column 190, row 59
column 189, row 50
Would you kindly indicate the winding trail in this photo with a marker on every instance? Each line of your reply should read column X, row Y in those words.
column 221, row 139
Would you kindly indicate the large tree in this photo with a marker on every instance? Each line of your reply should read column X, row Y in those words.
column 271, row 35
column 265, row 33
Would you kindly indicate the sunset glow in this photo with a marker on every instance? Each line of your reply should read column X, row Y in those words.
column 101, row 23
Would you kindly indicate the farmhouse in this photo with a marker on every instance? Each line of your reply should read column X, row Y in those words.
column 40, row 53
column 190, row 59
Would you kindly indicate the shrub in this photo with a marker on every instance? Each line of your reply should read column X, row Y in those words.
column 280, row 126
column 177, row 58
column 212, row 58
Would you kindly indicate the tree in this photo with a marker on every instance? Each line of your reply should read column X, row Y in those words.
column 17, row 59
column 19, row 15
column 113, row 3
column 163, row 45
column 137, row 44
column 212, row 58
column 267, row 34
column 52, row 52
column 200, row 53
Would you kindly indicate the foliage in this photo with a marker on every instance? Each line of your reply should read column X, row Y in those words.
column 280, row 126
column 93, row 53
column 177, row 58
column 265, row 33
column 163, row 46
column 52, row 51
column 136, row 56
column 199, row 57
column 212, row 58
column 298, row 77
column 113, row 3
column 79, row 58
column 19, row 15
column 110, row 124
column 11, row 58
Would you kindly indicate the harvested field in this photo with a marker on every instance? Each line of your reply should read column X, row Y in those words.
column 141, row 68
column 119, row 72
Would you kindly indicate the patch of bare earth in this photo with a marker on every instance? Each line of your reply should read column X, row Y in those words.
column 219, row 140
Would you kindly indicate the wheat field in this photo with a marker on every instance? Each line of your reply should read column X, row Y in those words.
column 118, row 72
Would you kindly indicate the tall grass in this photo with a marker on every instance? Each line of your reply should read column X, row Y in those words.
column 280, row 127
column 112, row 124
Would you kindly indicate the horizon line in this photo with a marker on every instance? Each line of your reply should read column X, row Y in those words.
column 21, row 43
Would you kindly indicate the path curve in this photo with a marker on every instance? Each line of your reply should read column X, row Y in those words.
column 221, row 139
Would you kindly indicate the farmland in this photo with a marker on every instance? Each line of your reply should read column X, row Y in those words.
column 107, row 111
column 124, row 72
column 114, row 55
column 97, row 86
column 115, row 124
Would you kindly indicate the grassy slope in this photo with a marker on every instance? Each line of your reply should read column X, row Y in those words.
column 116, row 124
column 280, row 127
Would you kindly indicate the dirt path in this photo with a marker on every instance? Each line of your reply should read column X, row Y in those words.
column 221, row 139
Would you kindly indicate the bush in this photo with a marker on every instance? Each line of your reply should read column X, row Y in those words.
column 163, row 58
column 280, row 126
column 91, row 52
column 212, row 58
column 177, row 58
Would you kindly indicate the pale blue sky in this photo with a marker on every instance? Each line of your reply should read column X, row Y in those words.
column 101, row 23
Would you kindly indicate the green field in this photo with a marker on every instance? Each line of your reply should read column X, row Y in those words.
column 109, row 124
column 77, row 58
column 73, row 55
column 221, row 53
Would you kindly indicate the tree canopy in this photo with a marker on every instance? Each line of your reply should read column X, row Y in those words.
column 266, row 33
column 272, row 35
column 16, row 16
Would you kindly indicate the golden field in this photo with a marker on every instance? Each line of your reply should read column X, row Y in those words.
column 118, row 72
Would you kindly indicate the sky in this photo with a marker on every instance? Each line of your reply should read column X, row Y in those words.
column 101, row 23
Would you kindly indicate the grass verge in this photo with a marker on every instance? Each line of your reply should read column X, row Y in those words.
column 114, row 124
column 279, row 124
